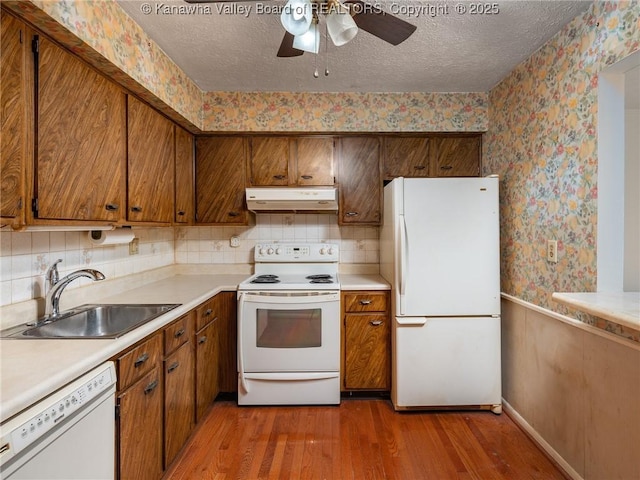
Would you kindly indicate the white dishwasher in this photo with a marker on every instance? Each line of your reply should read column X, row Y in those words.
column 70, row 435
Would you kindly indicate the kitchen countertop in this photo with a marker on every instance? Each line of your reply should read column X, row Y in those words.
column 31, row 369
column 622, row 308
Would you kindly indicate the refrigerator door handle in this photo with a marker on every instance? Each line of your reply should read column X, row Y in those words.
column 411, row 321
column 403, row 261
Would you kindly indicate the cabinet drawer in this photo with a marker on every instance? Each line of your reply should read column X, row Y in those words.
column 139, row 361
column 365, row 302
column 177, row 333
column 207, row 312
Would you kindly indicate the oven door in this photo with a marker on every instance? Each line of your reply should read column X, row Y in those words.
column 288, row 332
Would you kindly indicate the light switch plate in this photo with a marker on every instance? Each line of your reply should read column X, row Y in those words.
column 552, row 251
column 134, row 246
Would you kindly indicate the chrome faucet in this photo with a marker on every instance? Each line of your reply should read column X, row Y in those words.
column 57, row 285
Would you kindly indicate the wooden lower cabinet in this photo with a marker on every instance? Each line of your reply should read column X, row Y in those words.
column 228, row 369
column 366, row 341
column 207, row 350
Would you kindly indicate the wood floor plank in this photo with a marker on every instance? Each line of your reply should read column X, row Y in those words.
column 358, row 440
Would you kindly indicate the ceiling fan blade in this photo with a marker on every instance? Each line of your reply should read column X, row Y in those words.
column 286, row 47
column 377, row 22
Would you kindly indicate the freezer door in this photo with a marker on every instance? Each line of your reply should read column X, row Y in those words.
column 448, row 248
column 446, row 362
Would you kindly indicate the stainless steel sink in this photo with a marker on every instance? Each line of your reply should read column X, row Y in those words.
column 92, row 321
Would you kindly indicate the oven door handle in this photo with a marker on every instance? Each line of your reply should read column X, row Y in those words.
column 243, row 381
column 290, row 298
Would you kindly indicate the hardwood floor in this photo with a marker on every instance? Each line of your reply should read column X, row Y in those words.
column 360, row 439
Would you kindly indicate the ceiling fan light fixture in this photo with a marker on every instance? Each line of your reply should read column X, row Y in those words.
column 308, row 41
column 340, row 25
column 296, row 16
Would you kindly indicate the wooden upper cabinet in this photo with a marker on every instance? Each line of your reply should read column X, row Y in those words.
column 220, row 180
column 269, row 161
column 184, row 205
column 81, row 146
column 406, row 157
column 291, row 161
column 360, row 181
column 457, row 156
column 150, row 164
column 313, row 160
column 15, row 108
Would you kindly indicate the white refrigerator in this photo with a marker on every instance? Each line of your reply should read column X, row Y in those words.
column 439, row 250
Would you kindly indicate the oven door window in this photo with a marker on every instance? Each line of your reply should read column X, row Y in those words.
column 289, row 328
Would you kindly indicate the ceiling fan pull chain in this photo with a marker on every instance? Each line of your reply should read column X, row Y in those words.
column 315, row 72
column 326, row 49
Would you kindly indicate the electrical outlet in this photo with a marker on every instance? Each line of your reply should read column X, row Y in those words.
column 552, row 251
column 133, row 246
column 234, row 241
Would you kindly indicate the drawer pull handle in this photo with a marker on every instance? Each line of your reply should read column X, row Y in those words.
column 365, row 302
column 208, row 312
column 179, row 333
column 112, row 207
column 375, row 323
column 151, row 387
column 446, row 167
column 233, row 214
column 173, row 366
column 419, row 167
column 279, row 177
column 307, row 177
column 136, row 208
column 202, row 339
column 141, row 359
column 181, row 212
column 351, row 214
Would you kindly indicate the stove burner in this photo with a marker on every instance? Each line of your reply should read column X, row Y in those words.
column 321, row 276
column 266, row 279
column 321, row 280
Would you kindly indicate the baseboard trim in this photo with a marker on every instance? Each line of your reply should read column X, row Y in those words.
column 567, row 469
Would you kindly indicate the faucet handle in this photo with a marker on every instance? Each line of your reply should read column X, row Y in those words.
column 53, row 276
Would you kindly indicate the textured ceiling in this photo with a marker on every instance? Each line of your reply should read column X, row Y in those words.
column 224, row 48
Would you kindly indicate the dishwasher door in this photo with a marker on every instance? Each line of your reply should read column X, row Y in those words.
column 68, row 436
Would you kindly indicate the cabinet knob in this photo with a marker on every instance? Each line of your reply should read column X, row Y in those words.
column 351, row 214
column 279, row 177
column 446, row 167
column 375, row 323
column 208, row 312
column 202, row 339
column 179, row 333
column 173, row 366
column 307, row 177
column 151, row 387
column 181, row 212
column 419, row 167
column 112, row 207
column 136, row 208
column 141, row 359
column 365, row 302
column 233, row 214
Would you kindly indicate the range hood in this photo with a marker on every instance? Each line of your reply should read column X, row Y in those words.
column 286, row 199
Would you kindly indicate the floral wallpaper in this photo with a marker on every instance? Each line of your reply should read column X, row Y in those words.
column 542, row 142
column 345, row 112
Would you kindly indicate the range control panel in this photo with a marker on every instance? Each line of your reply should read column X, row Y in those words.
column 26, row 428
column 296, row 252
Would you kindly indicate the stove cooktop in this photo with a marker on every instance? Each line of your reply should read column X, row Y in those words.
column 287, row 281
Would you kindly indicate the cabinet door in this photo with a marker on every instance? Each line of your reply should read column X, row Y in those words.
column 457, row 157
column 228, row 371
column 269, row 161
column 367, row 355
column 220, row 181
column 207, row 347
column 313, row 160
column 179, row 406
column 150, row 164
column 14, row 115
column 360, row 181
column 184, row 211
column 81, row 144
column 140, row 429
column 406, row 157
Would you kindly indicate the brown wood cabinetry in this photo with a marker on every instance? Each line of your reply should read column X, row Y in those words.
column 220, row 181
column 179, row 394
column 457, row 156
column 184, row 177
column 140, row 406
column 15, row 116
column 359, row 181
column 228, row 371
column 291, row 161
column 151, row 164
column 207, row 345
column 81, row 141
column 406, row 157
column 366, row 341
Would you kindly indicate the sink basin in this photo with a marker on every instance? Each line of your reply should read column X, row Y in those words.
column 92, row 321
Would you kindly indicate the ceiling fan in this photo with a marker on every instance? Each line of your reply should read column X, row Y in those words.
column 343, row 19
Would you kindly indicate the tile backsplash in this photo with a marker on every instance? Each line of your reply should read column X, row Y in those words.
column 26, row 256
